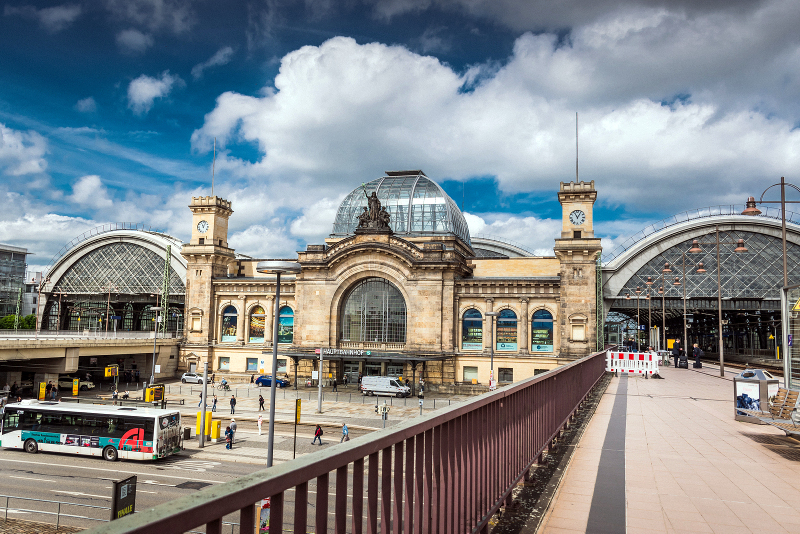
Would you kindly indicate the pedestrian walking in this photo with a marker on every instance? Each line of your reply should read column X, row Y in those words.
column 334, row 383
column 47, row 390
column 359, row 380
column 201, row 400
column 317, row 435
column 344, row 380
column 260, row 403
column 233, row 405
column 228, row 438
column 233, row 430
column 55, row 391
column 345, row 433
column 252, row 379
column 260, row 420
column 421, row 385
column 214, row 406
column 212, row 378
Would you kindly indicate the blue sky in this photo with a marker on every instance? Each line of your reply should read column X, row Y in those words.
column 109, row 110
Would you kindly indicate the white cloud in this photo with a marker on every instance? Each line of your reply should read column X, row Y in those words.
column 316, row 222
column 21, row 153
column 90, row 192
column 143, row 91
column 134, row 41
column 367, row 108
column 222, row 57
column 531, row 233
column 176, row 16
column 264, row 241
column 86, row 105
column 52, row 19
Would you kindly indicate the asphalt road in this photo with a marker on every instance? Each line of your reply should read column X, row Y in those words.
column 87, row 481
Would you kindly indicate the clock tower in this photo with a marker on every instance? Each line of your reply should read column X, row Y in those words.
column 208, row 256
column 577, row 251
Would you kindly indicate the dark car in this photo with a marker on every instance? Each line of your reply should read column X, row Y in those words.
column 266, row 381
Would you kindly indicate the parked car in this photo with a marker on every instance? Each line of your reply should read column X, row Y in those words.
column 384, row 385
column 192, row 378
column 65, row 384
column 266, row 381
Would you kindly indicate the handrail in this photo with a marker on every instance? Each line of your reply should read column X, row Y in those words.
column 691, row 215
column 450, row 478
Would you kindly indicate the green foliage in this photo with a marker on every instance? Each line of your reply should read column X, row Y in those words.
column 25, row 323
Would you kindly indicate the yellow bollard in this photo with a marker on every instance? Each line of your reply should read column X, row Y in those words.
column 208, row 423
column 215, row 431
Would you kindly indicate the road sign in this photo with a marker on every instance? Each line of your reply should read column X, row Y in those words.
column 75, row 385
column 123, row 501
column 42, row 390
column 112, row 370
column 421, row 401
column 116, row 317
column 297, row 412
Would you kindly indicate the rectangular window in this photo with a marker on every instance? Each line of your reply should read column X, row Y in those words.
column 577, row 234
column 578, row 332
column 252, row 365
column 470, row 374
column 10, row 422
column 394, row 370
column 539, row 371
column 505, row 374
column 224, row 363
column 196, row 324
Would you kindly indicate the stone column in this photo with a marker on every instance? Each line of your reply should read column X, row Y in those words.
column 522, row 331
column 456, row 323
column 269, row 325
column 487, row 325
column 243, row 322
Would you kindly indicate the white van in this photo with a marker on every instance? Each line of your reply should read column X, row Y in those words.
column 384, row 385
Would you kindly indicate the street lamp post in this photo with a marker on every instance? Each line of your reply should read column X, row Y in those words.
column 277, row 268
column 751, row 209
column 491, row 315
column 155, row 337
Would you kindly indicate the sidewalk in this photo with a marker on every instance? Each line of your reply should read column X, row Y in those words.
column 667, row 456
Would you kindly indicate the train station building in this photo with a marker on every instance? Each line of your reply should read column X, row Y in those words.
column 398, row 288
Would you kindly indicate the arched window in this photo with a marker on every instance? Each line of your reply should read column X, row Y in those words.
column 542, row 332
column 229, row 317
column 374, row 311
column 507, row 331
column 257, row 324
column 286, row 325
column 472, row 330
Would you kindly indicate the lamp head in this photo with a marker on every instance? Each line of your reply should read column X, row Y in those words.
column 666, row 268
column 677, row 281
column 695, row 247
column 750, row 207
column 700, row 268
column 740, row 246
column 649, row 281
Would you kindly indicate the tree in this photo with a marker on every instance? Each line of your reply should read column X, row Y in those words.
column 28, row 322
column 25, row 323
column 7, row 322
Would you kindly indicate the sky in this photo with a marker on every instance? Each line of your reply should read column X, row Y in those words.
column 109, row 111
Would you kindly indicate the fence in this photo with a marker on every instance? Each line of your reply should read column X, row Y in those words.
column 59, row 513
column 449, row 472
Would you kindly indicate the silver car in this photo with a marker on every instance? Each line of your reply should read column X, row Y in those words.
column 192, row 378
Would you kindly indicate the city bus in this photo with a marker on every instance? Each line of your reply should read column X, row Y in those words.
column 113, row 432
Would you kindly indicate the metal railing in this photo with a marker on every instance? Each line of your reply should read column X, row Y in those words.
column 58, row 513
column 690, row 215
column 448, row 472
column 85, row 334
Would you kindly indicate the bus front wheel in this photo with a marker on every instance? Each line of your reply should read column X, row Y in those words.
column 110, row 454
column 31, row 446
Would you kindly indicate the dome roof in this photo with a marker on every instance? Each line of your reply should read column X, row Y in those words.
column 418, row 206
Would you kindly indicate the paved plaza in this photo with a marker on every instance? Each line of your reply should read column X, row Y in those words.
column 672, row 459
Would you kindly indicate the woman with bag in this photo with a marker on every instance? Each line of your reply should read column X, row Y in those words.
column 317, row 435
column 228, row 438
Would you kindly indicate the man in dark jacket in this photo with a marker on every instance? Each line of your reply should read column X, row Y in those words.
column 233, row 405
column 697, row 352
column 676, row 351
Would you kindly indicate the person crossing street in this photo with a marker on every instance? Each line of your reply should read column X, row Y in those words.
column 233, row 405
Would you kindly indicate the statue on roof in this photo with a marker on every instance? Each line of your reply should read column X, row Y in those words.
column 374, row 218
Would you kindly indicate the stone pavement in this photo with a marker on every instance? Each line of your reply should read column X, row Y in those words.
column 687, row 465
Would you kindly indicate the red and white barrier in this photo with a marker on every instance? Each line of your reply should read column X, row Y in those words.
column 641, row 363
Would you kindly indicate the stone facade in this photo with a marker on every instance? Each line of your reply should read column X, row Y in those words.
column 440, row 279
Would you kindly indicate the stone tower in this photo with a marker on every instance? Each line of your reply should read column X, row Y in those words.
column 577, row 251
column 208, row 256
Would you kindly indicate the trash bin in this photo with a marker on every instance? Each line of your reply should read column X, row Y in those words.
column 752, row 390
column 187, row 433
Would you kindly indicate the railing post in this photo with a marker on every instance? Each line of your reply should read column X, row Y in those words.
column 247, row 515
column 58, row 515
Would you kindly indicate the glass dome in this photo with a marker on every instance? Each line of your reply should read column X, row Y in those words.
column 417, row 205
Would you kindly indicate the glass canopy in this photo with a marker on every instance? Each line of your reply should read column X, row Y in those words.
column 417, row 206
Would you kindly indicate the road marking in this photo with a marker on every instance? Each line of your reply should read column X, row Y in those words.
column 154, row 483
column 110, row 470
column 139, row 490
column 81, row 494
column 12, row 511
column 29, row 478
column 190, row 465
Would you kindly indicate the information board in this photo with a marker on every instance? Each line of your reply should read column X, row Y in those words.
column 123, row 501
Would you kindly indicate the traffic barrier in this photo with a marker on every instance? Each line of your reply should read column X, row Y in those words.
column 642, row 363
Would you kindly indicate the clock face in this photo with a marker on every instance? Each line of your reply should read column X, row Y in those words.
column 577, row 217
column 202, row 227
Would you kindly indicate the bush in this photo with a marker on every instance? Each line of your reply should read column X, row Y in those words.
column 25, row 323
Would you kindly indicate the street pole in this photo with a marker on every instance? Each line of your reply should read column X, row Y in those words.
column 319, row 382
column 273, row 383
column 491, row 316
column 155, row 336
column 719, row 301
column 685, row 339
column 638, row 322
column 203, row 406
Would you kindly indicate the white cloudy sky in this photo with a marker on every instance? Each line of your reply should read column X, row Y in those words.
column 109, row 111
